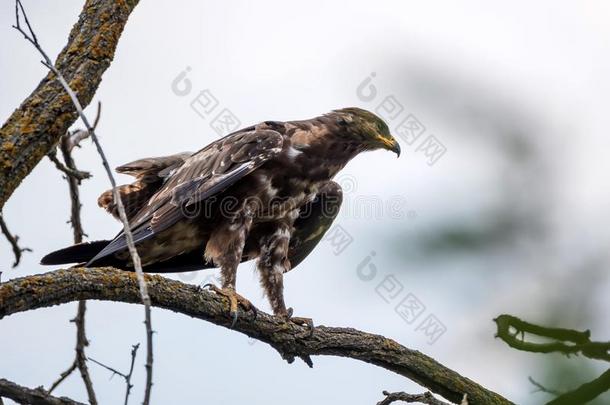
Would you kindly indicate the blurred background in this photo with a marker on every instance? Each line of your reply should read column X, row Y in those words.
column 499, row 203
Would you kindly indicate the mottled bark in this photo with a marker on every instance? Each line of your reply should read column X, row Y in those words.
column 290, row 340
column 38, row 396
column 37, row 125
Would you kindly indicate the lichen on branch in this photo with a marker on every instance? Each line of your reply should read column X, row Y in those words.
column 290, row 340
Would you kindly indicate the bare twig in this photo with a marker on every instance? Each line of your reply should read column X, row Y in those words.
column 76, row 174
column 542, row 388
column 62, row 377
column 425, row 398
column 121, row 209
column 134, row 352
column 289, row 339
column 14, row 241
column 74, row 179
column 67, row 143
column 112, row 370
column 126, row 377
column 80, row 357
column 38, row 396
column 81, row 343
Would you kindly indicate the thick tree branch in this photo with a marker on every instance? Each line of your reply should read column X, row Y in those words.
column 36, row 126
column 425, row 398
column 290, row 340
column 38, row 396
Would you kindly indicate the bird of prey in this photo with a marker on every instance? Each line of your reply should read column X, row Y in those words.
column 264, row 192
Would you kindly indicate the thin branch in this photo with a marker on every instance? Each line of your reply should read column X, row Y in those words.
column 564, row 341
column 126, row 377
column 289, row 339
column 80, row 359
column 542, row 388
column 76, row 174
column 425, row 398
column 121, row 209
column 14, row 242
column 134, row 352
column 62, row 377
column 66, row 146
column 112, row 370
column 38, row 396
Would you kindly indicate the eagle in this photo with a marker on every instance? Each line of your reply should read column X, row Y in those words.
column 264, row 192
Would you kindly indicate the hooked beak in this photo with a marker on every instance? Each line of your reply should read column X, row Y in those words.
column 390, row 144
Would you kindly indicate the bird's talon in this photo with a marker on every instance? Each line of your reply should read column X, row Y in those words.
column 211, row 286
column 307, row 322
column 234, row 317
column 234, row 301
column 297, row 320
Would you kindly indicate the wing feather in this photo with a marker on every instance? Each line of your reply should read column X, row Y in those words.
column 202, row 175
column 150, row 173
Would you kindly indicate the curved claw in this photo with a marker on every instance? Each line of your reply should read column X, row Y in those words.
column 234, row 316
column 307, row 322
column 234, row 301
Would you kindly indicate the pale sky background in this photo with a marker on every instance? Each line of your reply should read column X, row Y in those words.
column 516, row 92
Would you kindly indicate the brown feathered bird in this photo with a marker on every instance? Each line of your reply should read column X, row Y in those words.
column 264, row 192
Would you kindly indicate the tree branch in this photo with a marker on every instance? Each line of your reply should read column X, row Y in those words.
column 586, row 392
column 542, row 388
column 425, row 398
column 135, row 258
column 38, row 396
column 290, row 340
column 126, row 377
column 80, row 359
column 36, row 126
column 14, row 242
column 73, row 178
column 76, row 174
column 565, row 341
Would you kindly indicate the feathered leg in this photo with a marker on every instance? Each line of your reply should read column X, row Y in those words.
column 272, row 264
column 225, row 248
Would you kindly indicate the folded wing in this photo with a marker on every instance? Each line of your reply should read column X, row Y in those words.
column 200, row 176
column 150, row 174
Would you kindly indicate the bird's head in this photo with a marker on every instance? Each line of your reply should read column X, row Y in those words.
column 364, row 127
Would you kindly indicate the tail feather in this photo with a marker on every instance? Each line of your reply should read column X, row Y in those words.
column 83, row 252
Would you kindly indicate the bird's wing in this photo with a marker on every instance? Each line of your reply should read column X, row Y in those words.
column 150, row 174
column 204, row 174
column 158, row 166
column 314, row 220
